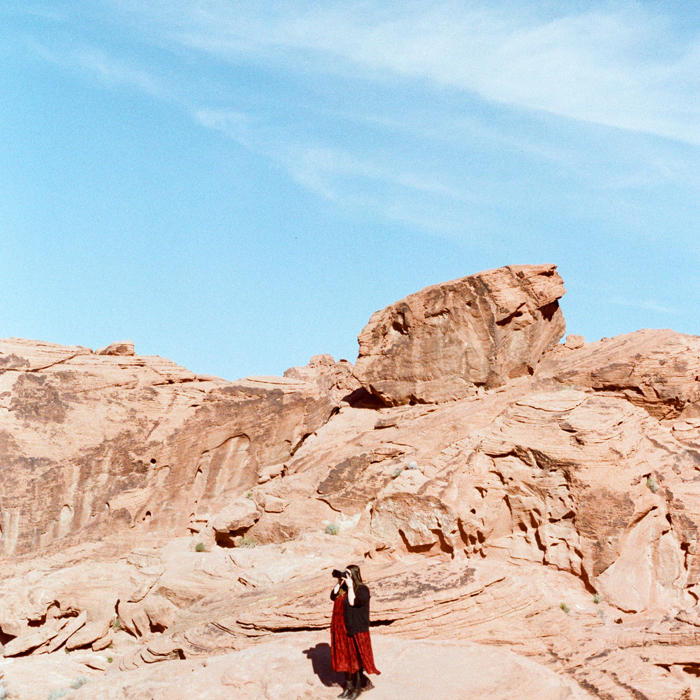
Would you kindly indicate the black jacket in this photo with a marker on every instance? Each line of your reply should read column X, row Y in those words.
column 357, row 615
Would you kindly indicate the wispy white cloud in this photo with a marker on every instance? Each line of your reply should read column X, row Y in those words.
column 108, row 69
column 347, row 178
column 232, row 123
column 116, row 71
column 621, row 67
column 566, row 94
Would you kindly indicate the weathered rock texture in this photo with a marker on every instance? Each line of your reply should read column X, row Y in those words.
column 186, row 527
column 92, row 443
column 658, row 370
column 480, row 331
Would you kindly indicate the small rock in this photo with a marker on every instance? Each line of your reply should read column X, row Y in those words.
column 240, row 515
column 573, row 342
column 386, row 423
column 122, row 347
column 268, row 473
column 270, row 503
column 94, row 661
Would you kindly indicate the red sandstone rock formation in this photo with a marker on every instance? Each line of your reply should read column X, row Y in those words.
column 97, row 443
column 444, row 341
column 657, row 370
column 188, row 522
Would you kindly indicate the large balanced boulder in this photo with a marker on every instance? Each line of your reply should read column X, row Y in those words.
column 443, row 342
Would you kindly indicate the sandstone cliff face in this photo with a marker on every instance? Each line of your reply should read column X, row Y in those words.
column 536, row 501
column 94, row 443
column 480, row 331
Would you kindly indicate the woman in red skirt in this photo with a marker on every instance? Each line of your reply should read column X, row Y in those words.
column 351, row 646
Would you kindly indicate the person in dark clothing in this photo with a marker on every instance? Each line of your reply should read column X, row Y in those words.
column 351, row 646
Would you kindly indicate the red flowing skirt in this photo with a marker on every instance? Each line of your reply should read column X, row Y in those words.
column 349, row 654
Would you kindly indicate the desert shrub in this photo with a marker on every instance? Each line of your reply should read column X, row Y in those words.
column 246, row 541
column 596, row 598
column 412, row 465
column 200, row 547
column 332, row 529
column 3, row 691
column 651, row 485
column 116, row 623
column 57, row 693
column 565, row 608
column 396, row 472
column 79, row 682
column 109, row 659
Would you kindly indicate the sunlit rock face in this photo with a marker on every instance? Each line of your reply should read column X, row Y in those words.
column 658, row 370
column 93, row 443
column 506, row 497
column 443, row 342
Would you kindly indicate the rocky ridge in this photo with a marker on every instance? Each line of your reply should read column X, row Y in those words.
column 514, row 503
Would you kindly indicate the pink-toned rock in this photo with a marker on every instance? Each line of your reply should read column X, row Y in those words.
column 551, row 518
column 574, row 342
column 441, row 343
column 68, row 631
column 657, row 370
column 123, row 347
column 337, row 378
column 32, row 640
column 237, row 517
column 421, row 521
column 270, row 503
column 98, row 444
column 90, row 634
column 268, row 473
column 298, row 668
column 651, row 561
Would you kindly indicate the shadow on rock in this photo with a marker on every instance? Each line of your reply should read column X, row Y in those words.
column 320, row 656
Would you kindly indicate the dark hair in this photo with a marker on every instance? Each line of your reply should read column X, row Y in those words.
column 355, row 574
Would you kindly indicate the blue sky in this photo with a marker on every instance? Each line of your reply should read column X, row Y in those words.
column 239, row 185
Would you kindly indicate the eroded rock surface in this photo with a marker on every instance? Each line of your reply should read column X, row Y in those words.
column 533, row 515
column 444, row 341
column 658, row 370
column 92, row 443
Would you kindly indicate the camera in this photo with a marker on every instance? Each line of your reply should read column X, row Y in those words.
column 338, row 574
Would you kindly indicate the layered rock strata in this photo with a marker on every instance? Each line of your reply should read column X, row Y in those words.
column 540, row 501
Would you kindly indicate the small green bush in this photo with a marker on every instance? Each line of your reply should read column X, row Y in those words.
column 116, row 623
column 651, row 485
column 246, row 541
column 57, row 693
column 79, row 682
column 109, row 659
column 332, row 529
column 396, row 472
column 200, row 547
column 596, row 598
column 249, row 494
column 565, row 608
